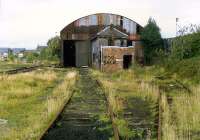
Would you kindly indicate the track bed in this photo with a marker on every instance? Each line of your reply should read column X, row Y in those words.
column 85, row 117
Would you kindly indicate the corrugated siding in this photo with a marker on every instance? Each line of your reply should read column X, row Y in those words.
column 83, row 53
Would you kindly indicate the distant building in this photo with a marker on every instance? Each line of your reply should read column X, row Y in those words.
column 105, row 41
column 16, row 51
column 4, row 52
column 20, row 55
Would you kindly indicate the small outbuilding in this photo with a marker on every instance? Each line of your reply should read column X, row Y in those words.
column 104, row 41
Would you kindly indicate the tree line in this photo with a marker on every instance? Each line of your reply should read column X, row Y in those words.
column 51, row 53
column 183, row 55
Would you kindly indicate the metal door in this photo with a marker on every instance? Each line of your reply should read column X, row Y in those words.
column 82, row 53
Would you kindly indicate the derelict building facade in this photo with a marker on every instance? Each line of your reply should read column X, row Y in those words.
column 104, row 41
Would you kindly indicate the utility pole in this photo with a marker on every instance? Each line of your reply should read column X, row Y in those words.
column 177, row 20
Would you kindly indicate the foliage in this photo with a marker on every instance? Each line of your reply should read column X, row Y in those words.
column 11, row 56
column 48, row 54
column 52, row 52
column 185, row 46
column 126, row 93
column 7, row 65
column 31, row 101
column 31, row 56
column 180, row 109
column 183, row 57
column 152, row 40
column 186, row 69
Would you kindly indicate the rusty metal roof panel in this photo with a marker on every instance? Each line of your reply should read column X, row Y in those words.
column 87, row 27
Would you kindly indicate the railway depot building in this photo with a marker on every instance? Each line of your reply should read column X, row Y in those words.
column 104, row 41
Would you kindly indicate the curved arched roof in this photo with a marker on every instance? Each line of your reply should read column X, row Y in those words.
column 87, row 26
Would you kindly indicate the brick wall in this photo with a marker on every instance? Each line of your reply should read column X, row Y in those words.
column 112, row 57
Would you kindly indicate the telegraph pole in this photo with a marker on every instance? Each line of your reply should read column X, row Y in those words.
column 177, row 20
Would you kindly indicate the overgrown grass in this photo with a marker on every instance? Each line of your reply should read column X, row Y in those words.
column 181, row 118
column 186, row 69
column 179, row 86
column 128, row 94
column 5, row 66
column 29, row 102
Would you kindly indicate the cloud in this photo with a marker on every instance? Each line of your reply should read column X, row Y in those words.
column 26, row 23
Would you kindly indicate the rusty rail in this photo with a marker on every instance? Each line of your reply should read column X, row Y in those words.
column 111, row 113
column 54, row 120
column 21, row 70
column 27, row 69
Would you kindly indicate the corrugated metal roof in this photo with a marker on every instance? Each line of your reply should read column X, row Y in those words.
column 87, row 27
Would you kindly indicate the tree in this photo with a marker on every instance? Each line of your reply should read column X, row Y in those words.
column 11, row 56
column 152, row 41
column 53, row 51
column 54, row 46
column 187, row 44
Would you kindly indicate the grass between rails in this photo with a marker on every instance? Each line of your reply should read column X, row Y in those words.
column 180, row 96
column 29, row 102
column 180, row 100
column 133, row 102
column 85, row 116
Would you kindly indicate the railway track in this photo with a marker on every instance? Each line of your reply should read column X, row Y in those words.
column 21, row 70
column 141, row 117
column 86, row 116
column 26, row 69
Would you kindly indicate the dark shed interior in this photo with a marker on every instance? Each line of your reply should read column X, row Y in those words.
column 127, row 61
column 69, row 50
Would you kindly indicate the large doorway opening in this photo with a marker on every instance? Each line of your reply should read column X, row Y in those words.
column 129, row 43
column 69, row 53
column 127, row 61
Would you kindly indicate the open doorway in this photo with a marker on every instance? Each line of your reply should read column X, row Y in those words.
column 69, row 52
column 127, row 61
column 129, row 43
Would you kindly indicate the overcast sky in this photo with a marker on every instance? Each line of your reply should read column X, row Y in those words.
column 26, row 23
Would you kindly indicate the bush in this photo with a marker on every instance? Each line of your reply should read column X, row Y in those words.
column 186, row 46
column 31, row 57
column 187, row 68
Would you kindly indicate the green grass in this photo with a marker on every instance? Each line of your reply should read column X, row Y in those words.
column 5, row 66
column 30, row 102
column 181, row 116
column 180, row 91
column 127, row 94
column 179, row 86
column 186, row 69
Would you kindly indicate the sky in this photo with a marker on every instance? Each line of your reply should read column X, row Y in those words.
column 28, row 23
